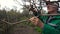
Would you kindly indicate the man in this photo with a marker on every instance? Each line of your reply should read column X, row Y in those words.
column 49, row 24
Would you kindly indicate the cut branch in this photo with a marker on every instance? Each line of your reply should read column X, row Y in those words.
column 14, row 22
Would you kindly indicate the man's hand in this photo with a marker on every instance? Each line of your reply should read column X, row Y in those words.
column 36, row 21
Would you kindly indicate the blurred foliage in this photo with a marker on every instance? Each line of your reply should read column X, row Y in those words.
column 13, row 16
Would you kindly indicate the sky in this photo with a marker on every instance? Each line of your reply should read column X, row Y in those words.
column 13, row 4
column 10, row 4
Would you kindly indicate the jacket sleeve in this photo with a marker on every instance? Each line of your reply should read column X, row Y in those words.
column 48, row 29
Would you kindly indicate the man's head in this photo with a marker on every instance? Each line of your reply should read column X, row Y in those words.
column 52, row 7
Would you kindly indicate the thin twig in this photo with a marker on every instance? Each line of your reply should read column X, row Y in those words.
column 49, row 14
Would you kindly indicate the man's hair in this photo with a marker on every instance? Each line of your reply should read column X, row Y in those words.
column 52, row 3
